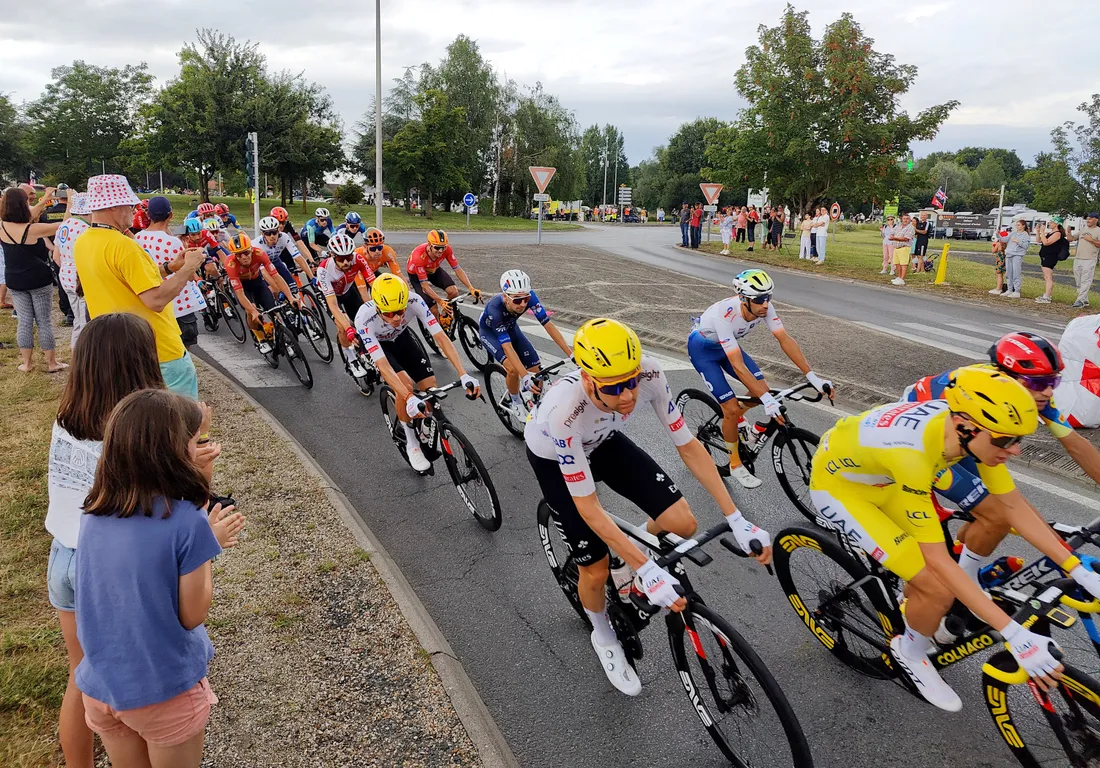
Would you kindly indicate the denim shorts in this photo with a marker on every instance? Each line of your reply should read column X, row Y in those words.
column 61, row 577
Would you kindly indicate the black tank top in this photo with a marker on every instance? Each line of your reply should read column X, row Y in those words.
column 27, row 267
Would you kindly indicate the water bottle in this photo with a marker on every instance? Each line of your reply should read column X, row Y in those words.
column 999, row 571
column 623, row 577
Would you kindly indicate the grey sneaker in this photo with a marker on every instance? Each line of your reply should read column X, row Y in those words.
column 1080, row 304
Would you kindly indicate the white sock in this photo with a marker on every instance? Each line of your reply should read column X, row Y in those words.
column 410, row 433
column 349, row 353
column 605, row 635
column 971, row 563
column 516, row 399
column 913, row 644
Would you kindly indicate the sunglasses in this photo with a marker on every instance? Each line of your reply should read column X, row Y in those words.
column 619, row 387
column 1039, row 383
column 437, row 248
column 375, row 248
column 760, row 299
column 344, row 259
column 1005, row 441
column 520, row 299
column 395, row 313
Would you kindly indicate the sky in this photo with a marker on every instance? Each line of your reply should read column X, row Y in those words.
column 1017, row 73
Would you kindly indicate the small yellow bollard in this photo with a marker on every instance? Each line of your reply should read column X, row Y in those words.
column 941, row 270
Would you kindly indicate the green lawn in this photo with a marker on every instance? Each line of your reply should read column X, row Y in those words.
column 857, row 255
column 393, row 219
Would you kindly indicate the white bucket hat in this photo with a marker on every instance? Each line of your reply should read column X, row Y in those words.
column 109, row 191
column 79, row 206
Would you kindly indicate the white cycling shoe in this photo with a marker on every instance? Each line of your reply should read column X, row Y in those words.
column 416, row 458
column 743, row 476
column 928, row 681
column 617, row 668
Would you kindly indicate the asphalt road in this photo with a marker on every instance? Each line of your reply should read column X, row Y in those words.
column 528, row 654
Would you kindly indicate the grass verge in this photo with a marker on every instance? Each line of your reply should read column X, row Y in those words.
column 33, row 668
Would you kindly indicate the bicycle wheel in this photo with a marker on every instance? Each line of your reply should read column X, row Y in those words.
column 292, row 351
column 792, row 451
column 561, row 561
column 388, row 401
column 231, row 312
column 469, row 336
column 704, row 418
column 497, row 388
column 854, row 623
column 316, row 333
column 731, row 690
column 428, row 337
column 210, row 319
column 1052, row 728
column 470, row 477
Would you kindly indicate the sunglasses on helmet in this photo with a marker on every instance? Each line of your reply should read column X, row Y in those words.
column 620, row 386
column 1039, row 383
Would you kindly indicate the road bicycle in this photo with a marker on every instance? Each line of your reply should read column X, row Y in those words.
column 497, row 386
column 440, row 438
column 730, row 689
column 792, row 448
column 311, row 316
column 282, row 341
column 370, row 377
column 222, row 304
column 457, row 324
column 851, row 605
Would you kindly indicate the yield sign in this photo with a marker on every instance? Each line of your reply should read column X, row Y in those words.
column 710, row 192
column 541, row 176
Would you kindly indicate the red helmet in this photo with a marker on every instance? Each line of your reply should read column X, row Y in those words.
column 1025, row 354
column 221, row 209
column 143, row 205
column 205, row 209
column 280, row 213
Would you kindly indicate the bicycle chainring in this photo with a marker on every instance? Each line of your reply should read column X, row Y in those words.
column 625, row 629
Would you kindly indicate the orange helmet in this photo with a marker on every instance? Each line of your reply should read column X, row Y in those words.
column 280, row 213
column 437, row 237
column 375, row 236
column 240, row 243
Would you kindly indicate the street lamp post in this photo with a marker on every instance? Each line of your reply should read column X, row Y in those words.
column 378, row 113
column 602, row 207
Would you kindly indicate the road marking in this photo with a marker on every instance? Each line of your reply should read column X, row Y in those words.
column 534, row 328
column 983, row 330
column 948, row 334
column 967, row 353
column 1042, row 485
column 1049, row 328
column 251, row 371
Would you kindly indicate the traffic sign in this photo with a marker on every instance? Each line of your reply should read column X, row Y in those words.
column 541, row 176
column 624, row 194
column 468, row 199
column 541, row 197
column 710, row 208
column 834, row 212
column 710, row 192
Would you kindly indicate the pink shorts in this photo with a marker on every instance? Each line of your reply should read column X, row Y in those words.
column 166, row 724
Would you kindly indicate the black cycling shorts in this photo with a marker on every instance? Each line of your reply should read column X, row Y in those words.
column 350, row 301
column 439, row 278
column 405, row 354
column 259, row 293
column 626, row 469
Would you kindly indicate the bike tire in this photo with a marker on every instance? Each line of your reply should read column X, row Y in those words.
column 464, row 467
column 211, row 319
column 428, row 338
column 560, row 559
column 292, row 351
column 704, row 418
column 313, row 324
column 231, row 312
column 387, row 400
column 469, row 336
column 496, row 386
column 1020, row 718
column 881, row 620
column 792, row 453
column 734, row 687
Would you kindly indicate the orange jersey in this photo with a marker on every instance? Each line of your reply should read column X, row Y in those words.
column 238, row 272
column 387, row 257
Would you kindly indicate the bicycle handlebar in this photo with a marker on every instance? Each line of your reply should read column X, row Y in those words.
column 792, row 394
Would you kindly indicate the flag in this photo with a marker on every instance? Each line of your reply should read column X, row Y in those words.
column 939, row 198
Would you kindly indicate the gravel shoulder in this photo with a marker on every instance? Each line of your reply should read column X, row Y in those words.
column 315, row 664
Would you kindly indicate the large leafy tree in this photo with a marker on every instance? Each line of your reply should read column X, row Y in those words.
column 1078, row 146
column 427, row 152
column 823, row 115
column 1052, row 183
column 13, row 134
column 595, row 144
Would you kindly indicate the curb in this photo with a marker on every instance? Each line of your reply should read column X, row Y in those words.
column 483, row 731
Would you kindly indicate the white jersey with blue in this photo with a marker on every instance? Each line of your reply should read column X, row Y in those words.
column 723, row 322
column 373, row 329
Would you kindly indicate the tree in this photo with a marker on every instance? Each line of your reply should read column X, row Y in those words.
column 13, row 134
column 972, row 157
column 983, row 200
column 77, row 126
column 953, row 178
column 1083, row 161
column 1054, row 187
column 595, row 143
column 823, row 116
column 427, row 152
column 989, row 174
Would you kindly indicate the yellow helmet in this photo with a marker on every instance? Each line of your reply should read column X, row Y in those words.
column 993, row 401
column 389, row 292
column 607, row 349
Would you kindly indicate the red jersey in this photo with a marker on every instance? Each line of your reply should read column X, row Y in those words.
column 238, row 271
column 421, row 264
column 336, row 282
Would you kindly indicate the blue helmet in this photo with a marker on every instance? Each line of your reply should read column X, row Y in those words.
column 192, row 226
column 353, row 218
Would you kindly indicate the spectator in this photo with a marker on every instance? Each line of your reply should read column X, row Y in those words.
column 166, row 251
column 36, row 212
column 685, row 225
column 1084, row 262
column 903, row 239
column 750, row 225
column 144, row 582
column 118, row 356
column 71, row 228
column 53, row 202
column 923, row 229
column 29, row 277
column 820, row 233
column 118, row 276
column 660, row 215
column 887, row 230
column 725, row 228
column 778, row 219
column 1053, row 247
column 805, row 244
column 696, row 224
column 1015, row 245
column 998, row 249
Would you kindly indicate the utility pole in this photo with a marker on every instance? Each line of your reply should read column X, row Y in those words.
column 615, row 185
column 604, row 174
column 378, row 113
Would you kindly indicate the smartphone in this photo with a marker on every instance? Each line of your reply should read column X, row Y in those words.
column 61, row 194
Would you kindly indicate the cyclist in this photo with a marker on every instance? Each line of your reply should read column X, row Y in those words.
column 714, row 351
column 253, row 278
column 343, row 293
column 353, row 227
column 203, row 212
column 1036, row 363
column 221, row 210
column 377, row 253
column 501, row 334
column 573, row 439
column 383, row 328
column 283, row 218
column 194, row 236
column 425, row 263
column 318, row 230
column 871, row 481
column 280, row 248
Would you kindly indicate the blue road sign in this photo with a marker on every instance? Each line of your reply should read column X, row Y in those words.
column 468, row 200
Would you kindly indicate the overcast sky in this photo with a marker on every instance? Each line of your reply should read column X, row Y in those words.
column 1017, row 69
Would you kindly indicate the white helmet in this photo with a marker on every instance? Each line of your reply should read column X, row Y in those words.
column 322, row 213
column 515, row 281
column 753, row 282
column 213, row 224
column 269, row 224
column 341, row 245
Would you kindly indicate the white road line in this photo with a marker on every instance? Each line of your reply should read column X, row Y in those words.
column 967, row 353
column 534, row 328
column 943, row 332
column 1048, row 328
column 243, row 365
column 1085, row 501
column 984, row 330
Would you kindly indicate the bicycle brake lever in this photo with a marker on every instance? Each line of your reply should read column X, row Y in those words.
column 755, row 545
